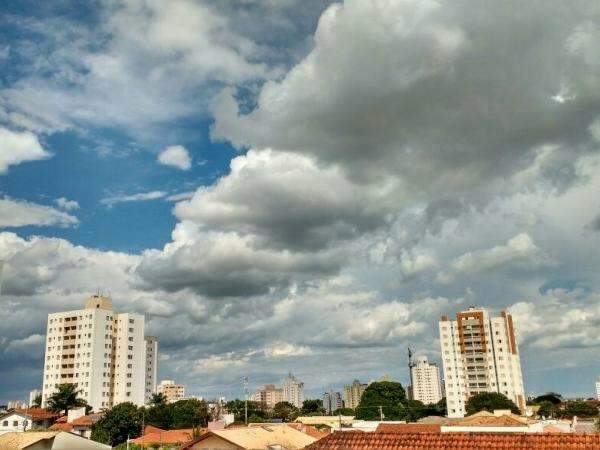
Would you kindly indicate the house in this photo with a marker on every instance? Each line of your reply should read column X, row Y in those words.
column 386, row 427
column 355, row 440
column 330, row 421
column 47, row 440
column 76, row 421
column 266, row 437
column 26, row 419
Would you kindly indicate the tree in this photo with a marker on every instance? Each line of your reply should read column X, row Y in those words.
column 119, row 423
column 285, row 411
column 414, row 410
column 236, row 407
column 489, row 401
column 547, row 409
column 160, row 415
column 343, row 412
column 551, row 397
column 578, row 408
column 65, row 398
column 158, row 399
column 312, row 406
column 383, row 397
column 37, row 401
column 189, row 413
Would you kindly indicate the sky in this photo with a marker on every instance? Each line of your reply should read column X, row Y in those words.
column 302, row 186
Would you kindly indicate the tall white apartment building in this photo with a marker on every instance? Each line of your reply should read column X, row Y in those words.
column 479, row 354
column 174, row 392
column 426, row 383
column 332, row 401
column 353, row 393
column 598, row 389
column 102, row 353
column 151, row 367
column 293, row 391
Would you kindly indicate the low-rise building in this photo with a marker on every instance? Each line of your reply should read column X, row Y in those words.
column 173, row 392
column 77, row 421
column 20, row 420
column 48, row 440
column 269, row 395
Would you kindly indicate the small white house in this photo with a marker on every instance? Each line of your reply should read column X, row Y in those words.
column 25, row 419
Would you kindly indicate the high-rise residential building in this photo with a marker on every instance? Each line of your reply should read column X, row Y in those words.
column 480, row 354
column 353, row 393
column 426, row 385
column 293, row 391
column 332, row 401
column 269, row 395
column 598, row 389
column 33, row 395
column 151, row 367
column 99, row 351
column 172, row 391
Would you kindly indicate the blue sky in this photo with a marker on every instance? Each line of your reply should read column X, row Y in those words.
column 301, row 186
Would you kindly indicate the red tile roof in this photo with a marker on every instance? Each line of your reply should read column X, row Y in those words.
column 350, row 440
column 87, row 421
column 409, row 428
column 61, row 426
column 180, row 436
column 37, row 413
column 309, row 429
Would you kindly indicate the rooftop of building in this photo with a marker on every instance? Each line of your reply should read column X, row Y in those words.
column 353, row 440
column 155, row 435
column 33, row 413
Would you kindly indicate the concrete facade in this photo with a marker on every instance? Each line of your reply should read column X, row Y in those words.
column 479, row 354
column 427, row 386
column 269, row 395
column 293, row 391
column 101, row 352
column 171, row 390
column 353, row 393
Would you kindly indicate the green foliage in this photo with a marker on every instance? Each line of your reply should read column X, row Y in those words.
column 257, row 409
column 312, row 407
column 158, row 399
column 189, row 413
column 547, row 409
column 285, row 411
column 343, row 412
column 160, row 415
column 551, row 397
column 389, row 396
column 577, row 408
column 67, row 397
column 489, row 401
column 117, row 424
column 37, row 401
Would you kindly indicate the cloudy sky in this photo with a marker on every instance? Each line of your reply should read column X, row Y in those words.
column 302, row 186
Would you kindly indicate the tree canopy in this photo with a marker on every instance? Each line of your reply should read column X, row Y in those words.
column 551, row 397
column 384, row 397
column 256, row 410
column 312, row 406
column 285, row 411
column 117, row 424
column 489, row 401
column 67, row 397
column 577, row 408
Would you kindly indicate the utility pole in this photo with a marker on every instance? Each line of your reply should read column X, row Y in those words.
column 246, row 400
column 410, row 366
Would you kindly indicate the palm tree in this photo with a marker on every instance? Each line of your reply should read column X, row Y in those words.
column 65, row 398
column 37, row 401
column 158, row 400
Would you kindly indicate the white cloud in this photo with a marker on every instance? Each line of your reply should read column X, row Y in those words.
column 18, row 213
column 285, row 350
column 175, row 156
column 139, row 197
column 17, row 147
column 66, row 204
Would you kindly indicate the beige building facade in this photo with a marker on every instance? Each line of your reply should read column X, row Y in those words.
column 480, row 354
column 171, row 390
column 427, row 386
column 293, row 391
column 99, row 351
column 269, row 395
column 353, row 393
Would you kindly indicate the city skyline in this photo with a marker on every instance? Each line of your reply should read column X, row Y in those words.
column 304, row 187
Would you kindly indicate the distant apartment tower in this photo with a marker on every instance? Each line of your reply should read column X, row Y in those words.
column 598, row 389
column 426, row 386
column 269, row 395
column 479, row 354
column 353, row 393
column 33, row 395
column 151, row 367
column 102, row 353
column 172, row 391
column 293, row 391
column 332, row 401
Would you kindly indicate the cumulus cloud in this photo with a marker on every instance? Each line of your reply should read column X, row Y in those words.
column 139, row 197
column 175, row 156
column 285, row 350
column 66, row 204
column 19, row 213
column 18, row 147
